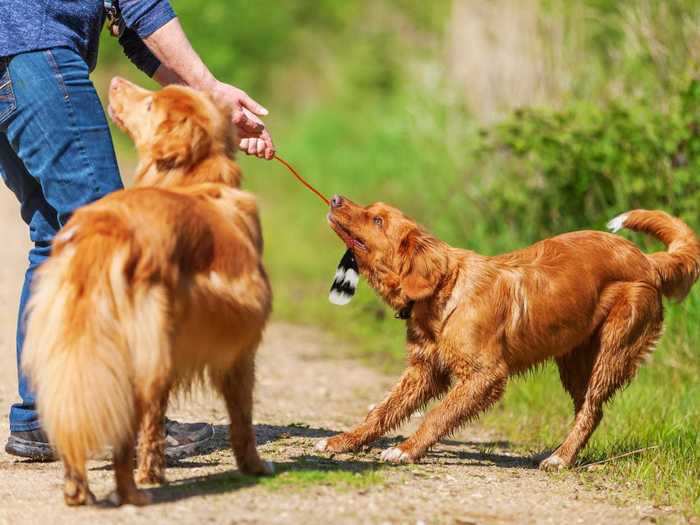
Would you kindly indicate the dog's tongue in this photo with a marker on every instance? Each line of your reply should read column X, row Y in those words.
column 345, row 282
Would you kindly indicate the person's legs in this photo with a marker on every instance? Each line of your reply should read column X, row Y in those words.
column 56, row 155
column 43, row 223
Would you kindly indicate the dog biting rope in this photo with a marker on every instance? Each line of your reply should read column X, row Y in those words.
column 301, row 179
column 347, row 275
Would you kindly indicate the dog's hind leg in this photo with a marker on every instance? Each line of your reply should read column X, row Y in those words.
column 236, row 386
column 75, row 486
column 420, row 383
column 629, row 332
column 151, row 467
column 126, row 492
column 575, row 370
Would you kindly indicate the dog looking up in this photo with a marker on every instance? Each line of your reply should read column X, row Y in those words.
column 591, row 301
column 148, row 290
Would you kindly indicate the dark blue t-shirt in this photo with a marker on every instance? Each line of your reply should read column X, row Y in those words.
column 32, row 25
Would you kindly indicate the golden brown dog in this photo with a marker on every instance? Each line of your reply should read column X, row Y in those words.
column 592, row 301
column 147, row 290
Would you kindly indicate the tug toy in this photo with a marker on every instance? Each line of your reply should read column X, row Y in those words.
column 347, row 274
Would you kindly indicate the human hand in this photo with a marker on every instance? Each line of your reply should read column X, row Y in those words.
column 254, row 137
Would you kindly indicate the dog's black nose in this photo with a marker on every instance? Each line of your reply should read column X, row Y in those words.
column 336, row 201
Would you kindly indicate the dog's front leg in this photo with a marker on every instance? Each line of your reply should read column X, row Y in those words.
column 464, row 402
column 418, row 384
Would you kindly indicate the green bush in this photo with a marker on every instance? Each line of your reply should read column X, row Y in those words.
column 561, row 170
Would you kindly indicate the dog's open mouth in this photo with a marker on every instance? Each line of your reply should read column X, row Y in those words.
column 347, row 237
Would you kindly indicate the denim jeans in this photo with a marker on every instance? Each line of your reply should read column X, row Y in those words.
column 56, row 154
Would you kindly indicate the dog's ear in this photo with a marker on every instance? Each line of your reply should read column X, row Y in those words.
column 422, row 265
column 180, row 141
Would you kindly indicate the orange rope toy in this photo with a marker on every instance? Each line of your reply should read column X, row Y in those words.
column 301, row 179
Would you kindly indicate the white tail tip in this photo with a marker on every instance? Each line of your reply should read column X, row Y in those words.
column 339, row 297
column 617, row 223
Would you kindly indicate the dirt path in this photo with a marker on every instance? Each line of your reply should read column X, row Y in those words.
column 303, row 394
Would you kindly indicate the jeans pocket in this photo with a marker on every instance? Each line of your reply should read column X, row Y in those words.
column 7, row 95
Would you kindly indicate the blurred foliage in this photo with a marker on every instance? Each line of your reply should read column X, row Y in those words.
column 248, row 44
column 585, row 162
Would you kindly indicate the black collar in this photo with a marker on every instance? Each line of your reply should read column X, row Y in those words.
column 405, row 312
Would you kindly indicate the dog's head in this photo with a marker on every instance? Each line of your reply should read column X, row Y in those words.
column 175, row 129
column 400, row 259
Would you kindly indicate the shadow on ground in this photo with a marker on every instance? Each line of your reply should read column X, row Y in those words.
column 233, row 481
column 457, row 453
column 487, row 458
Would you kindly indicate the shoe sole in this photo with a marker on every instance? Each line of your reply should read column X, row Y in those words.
column 45, row 454
column 23, row 448
column 189, row 449
column 171, row 452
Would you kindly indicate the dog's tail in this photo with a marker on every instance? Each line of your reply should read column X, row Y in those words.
column 87, row 338
column 679, row 267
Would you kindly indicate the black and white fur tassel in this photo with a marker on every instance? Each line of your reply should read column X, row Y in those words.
column 346, row 278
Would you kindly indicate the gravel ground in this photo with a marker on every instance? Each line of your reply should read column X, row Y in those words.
column 305, row 391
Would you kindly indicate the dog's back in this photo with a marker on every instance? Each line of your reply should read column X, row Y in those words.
column 552, row 296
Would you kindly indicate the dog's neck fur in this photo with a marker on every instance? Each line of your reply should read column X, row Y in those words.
column 219, row 168
column 440, row 300
column 387, row 284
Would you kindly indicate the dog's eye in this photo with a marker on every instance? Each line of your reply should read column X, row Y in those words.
column 378, row 221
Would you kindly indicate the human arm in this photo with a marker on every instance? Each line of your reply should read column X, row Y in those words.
column 161, row 32
column 137, row 52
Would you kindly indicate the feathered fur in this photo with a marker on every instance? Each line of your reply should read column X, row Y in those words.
column 679, row 267
column 147, row 290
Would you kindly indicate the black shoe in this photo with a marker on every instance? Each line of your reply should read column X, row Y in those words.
column 181, row 439
column 30, row 444
column 185, row 439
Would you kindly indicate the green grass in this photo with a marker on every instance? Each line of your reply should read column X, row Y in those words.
column 286, row 478
column 338, row 479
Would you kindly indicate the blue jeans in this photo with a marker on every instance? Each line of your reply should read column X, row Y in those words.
column 56, row 154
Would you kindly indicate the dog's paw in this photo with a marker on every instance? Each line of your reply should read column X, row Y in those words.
column 151, row 477
column 258, row 467
column 75, row 497
column 338, row 444
column 553, row 464
column 138, row 498
column 396, row 455
column 267, row 468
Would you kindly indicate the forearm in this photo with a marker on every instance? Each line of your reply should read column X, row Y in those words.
column 165, row 76
column 180, row 63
